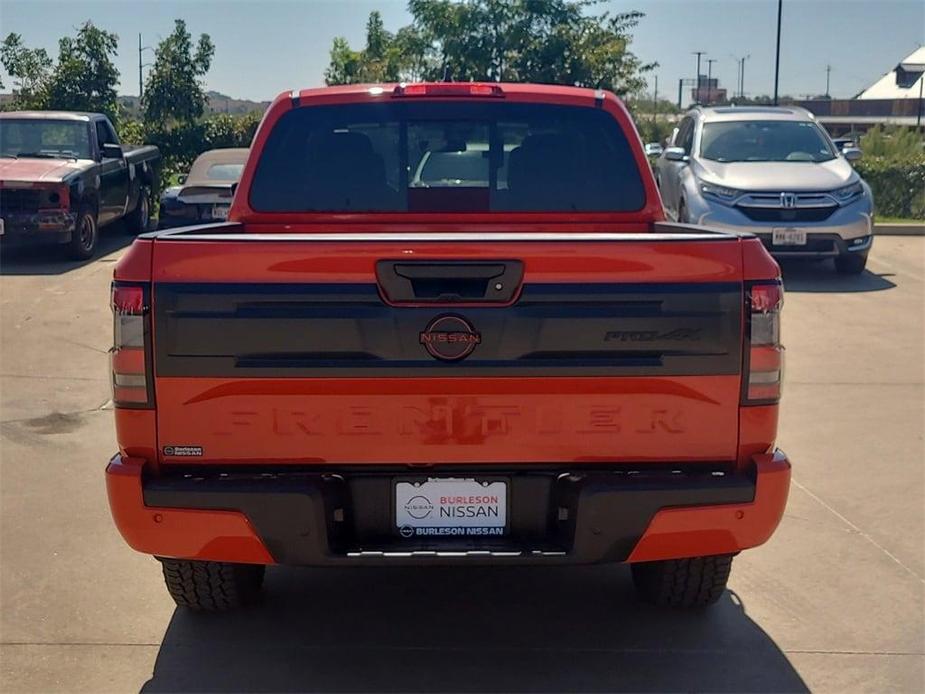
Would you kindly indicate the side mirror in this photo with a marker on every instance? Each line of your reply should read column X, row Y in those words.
column 111, row 151
column 851, row 153
column 676, row 154
column 181, row 179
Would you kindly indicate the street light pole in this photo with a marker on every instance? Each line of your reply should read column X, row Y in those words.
column 780, row 9
column 710, row 62
column 828, row 71
column 698, row 54
column 918, row 117
column 742, row 83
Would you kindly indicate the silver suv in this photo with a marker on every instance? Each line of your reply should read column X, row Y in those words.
column 773, row 171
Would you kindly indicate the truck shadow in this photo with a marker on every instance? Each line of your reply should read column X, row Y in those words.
column 52, row 260
column 470, row 629
column 820, row 276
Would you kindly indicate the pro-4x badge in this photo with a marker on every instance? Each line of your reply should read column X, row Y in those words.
column 450, row 337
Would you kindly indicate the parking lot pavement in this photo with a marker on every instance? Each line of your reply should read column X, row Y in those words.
column 834, row 602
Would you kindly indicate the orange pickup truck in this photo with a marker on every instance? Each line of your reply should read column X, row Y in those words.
column 445, row 323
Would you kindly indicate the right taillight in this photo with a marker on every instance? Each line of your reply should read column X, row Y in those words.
column 131, row 354
column 764, row 357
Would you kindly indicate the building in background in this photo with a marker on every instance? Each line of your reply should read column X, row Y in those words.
column 894, row 99
column 708, row 91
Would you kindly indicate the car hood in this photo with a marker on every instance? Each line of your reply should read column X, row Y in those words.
column 28, row 170
column 777, row 176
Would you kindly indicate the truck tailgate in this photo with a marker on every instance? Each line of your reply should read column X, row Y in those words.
column 381, row 349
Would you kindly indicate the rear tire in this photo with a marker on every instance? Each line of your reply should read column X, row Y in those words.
column 212, row 586
column 86, row 234
column 850, row 264
column 693, row 582
column 138, row 221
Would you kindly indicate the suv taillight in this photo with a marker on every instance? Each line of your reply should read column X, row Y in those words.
column 130, row 355
column 764, row 355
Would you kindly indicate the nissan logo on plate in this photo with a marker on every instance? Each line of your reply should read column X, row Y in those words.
column 450, row 338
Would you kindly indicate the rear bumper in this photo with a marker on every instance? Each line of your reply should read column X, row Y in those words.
column 338, row 517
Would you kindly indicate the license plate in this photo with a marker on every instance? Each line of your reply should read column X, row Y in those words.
column 449, row 507
column 788, row 237
column 220, row 212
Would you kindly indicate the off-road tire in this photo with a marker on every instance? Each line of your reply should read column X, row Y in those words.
column 850, row 264
column 139, row 219
column 212, row 586
column 86, row 235
column 694, row 582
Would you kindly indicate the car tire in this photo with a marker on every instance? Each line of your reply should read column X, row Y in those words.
column 211, row 586
column 850, row 264
column 692, row 582
column 682, row 213
column 138, row 221
column 86, row 234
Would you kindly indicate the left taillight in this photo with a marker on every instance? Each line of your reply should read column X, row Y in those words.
column 764, row 357
column 130, row 356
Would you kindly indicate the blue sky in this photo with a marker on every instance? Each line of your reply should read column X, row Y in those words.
column 264, row 47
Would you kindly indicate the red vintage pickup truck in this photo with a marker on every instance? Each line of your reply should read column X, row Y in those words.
column 446, row 324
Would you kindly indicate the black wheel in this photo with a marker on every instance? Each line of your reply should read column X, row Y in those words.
column 210, row 585
column 682, row 213
column 138, row 221
column 851, row 264
column 694, row 582
column 86, row 234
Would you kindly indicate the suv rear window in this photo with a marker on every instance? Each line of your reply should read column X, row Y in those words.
column 447, row 157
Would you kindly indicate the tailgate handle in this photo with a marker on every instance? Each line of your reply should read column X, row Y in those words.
column 449, row 282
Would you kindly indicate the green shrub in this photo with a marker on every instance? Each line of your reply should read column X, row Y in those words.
column 181, row 145
column 892, row 142
column 898, row 185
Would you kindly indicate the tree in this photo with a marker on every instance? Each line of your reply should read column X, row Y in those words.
column 546, row 41
column 29, row 68
column 85, row 77
column 386, row 57
column 174, row 91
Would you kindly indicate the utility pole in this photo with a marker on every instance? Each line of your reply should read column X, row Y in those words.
column 698, row 54
column 140, row 66
column 655, row 107
column 780, row 10
column 735, row 92
column 710, row 62
column 828, row 71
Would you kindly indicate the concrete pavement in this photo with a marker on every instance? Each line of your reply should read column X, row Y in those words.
column 834, row 602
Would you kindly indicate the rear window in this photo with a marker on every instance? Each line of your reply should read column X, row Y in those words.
column 447, row 157
column 225, row 172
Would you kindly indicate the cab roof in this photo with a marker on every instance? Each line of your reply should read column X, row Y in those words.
column 51, row 115
column 515, row 91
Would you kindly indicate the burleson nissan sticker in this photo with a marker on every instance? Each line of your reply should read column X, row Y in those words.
column 456, row 329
